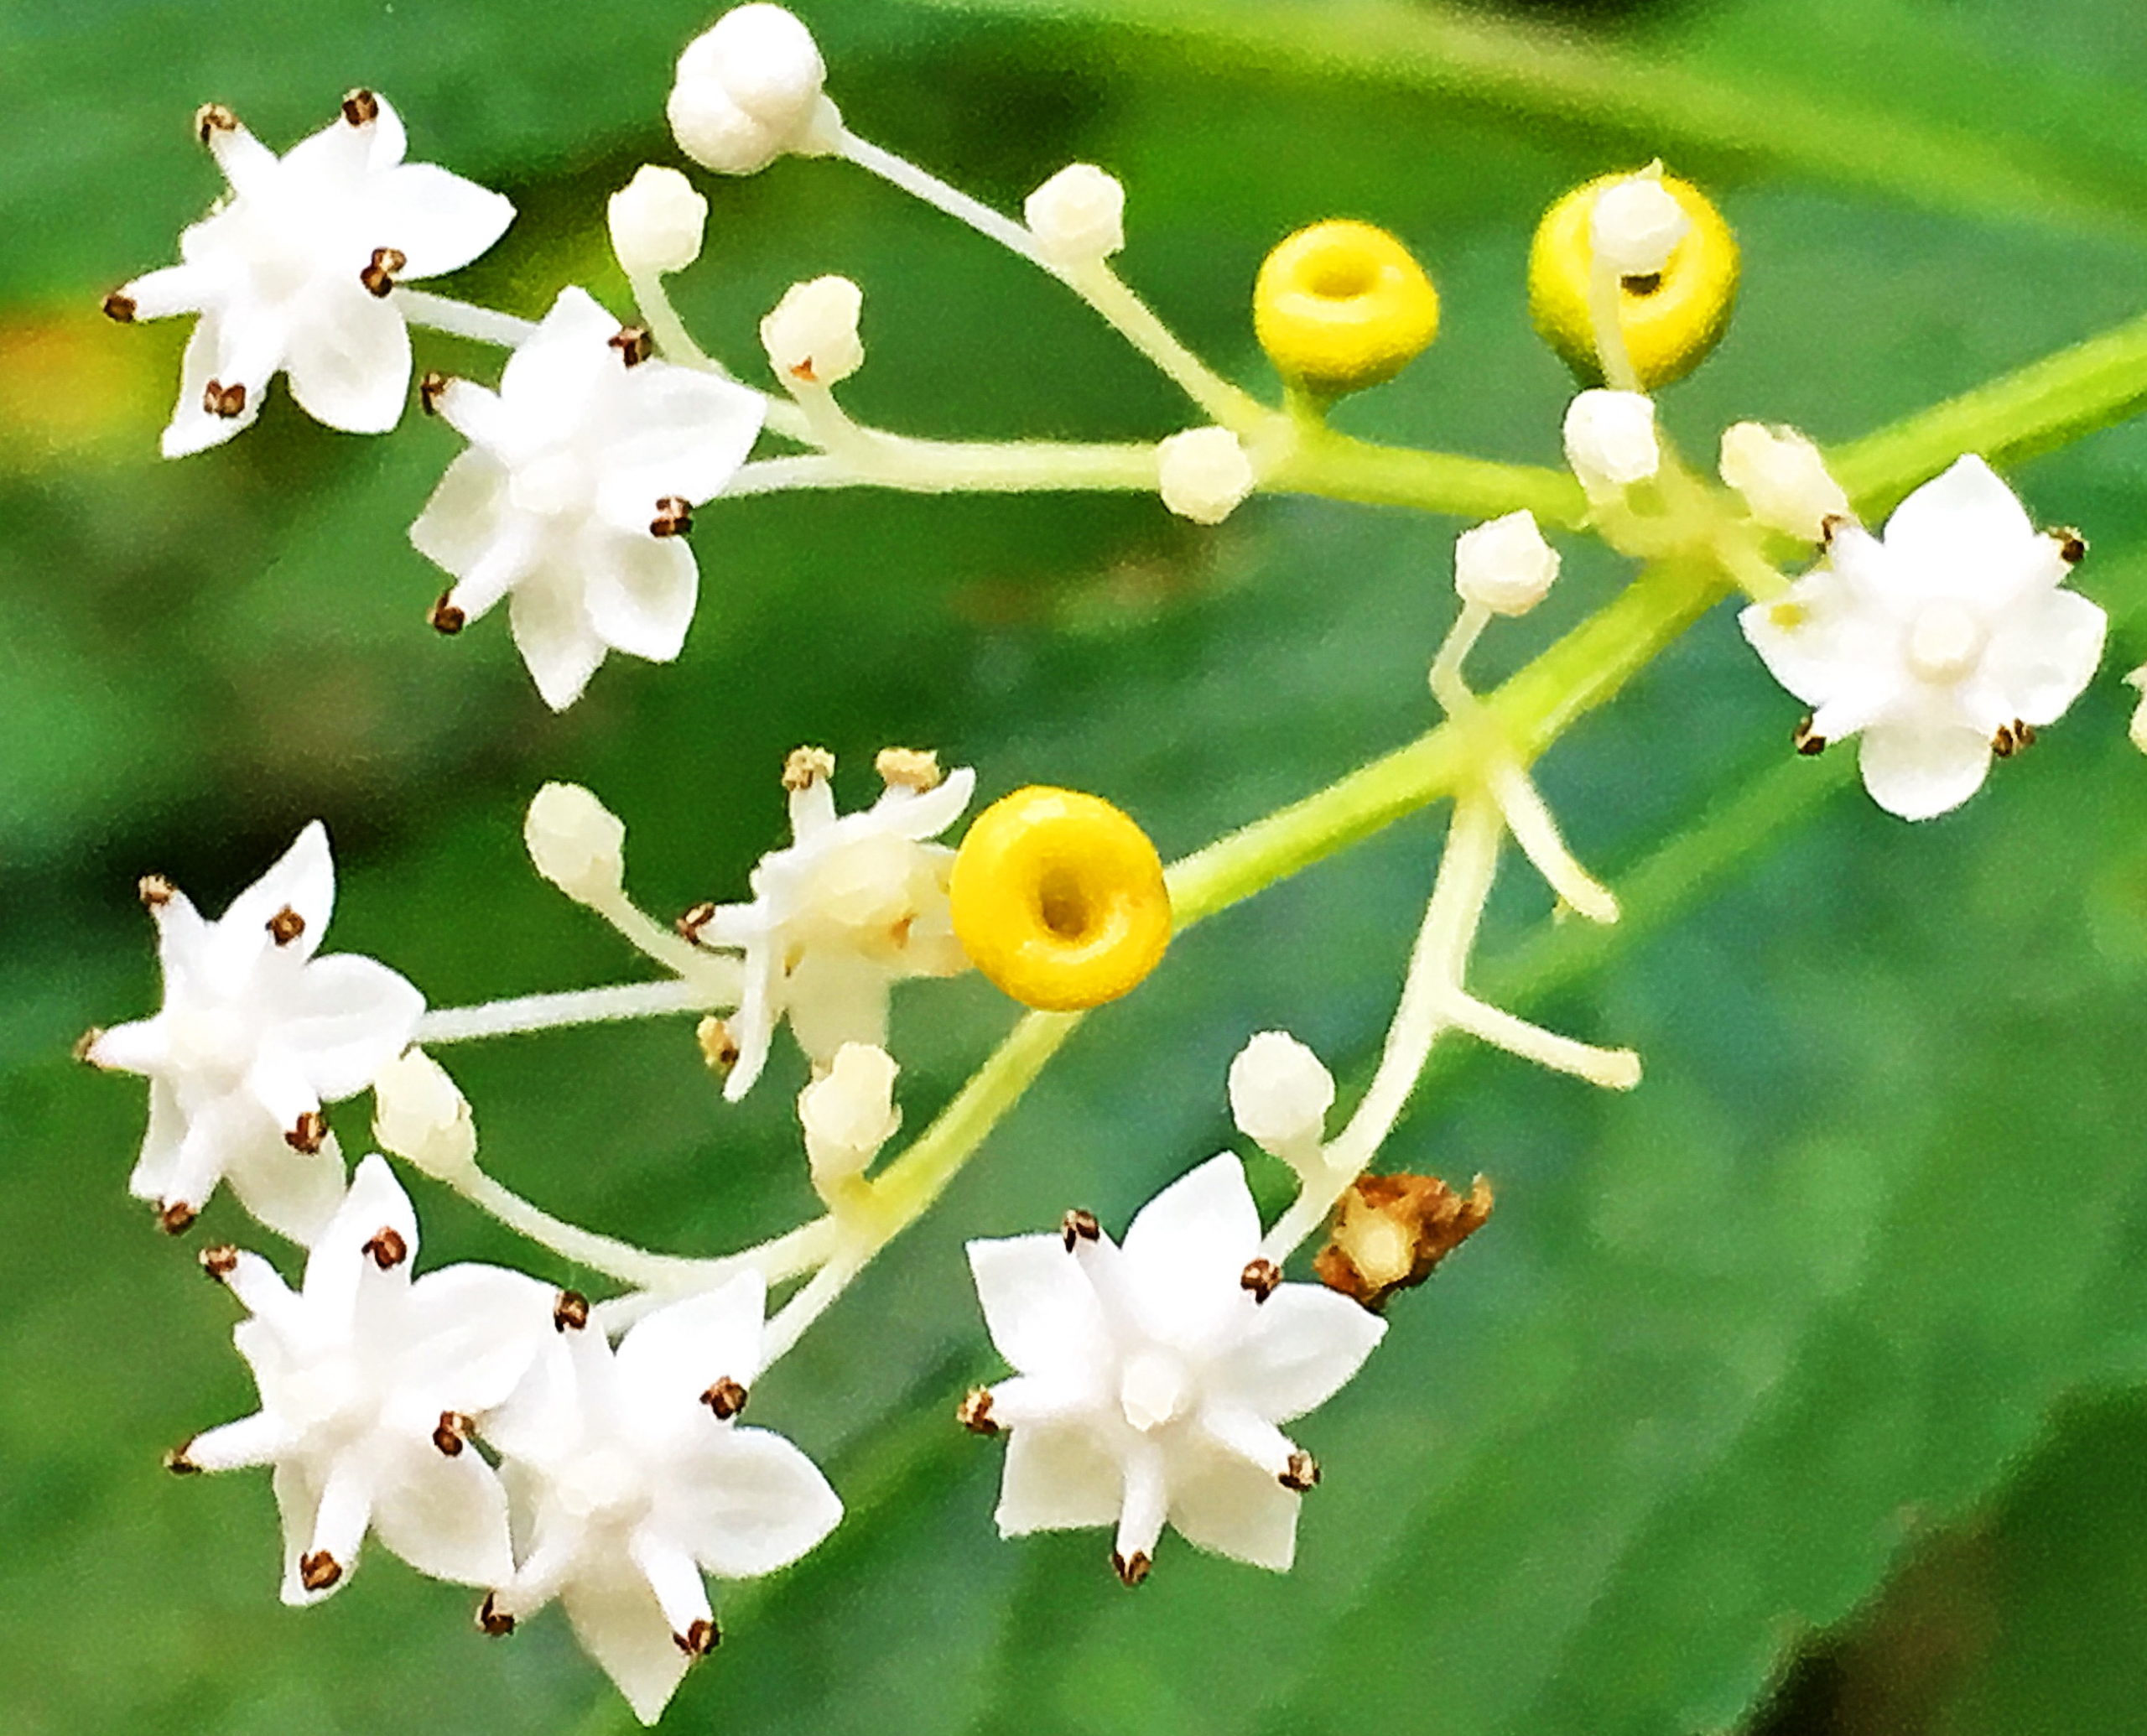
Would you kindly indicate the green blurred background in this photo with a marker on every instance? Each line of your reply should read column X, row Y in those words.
column 1797, row 1391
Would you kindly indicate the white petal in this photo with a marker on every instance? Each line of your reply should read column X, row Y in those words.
column 348, row 364
column 748, row 1502
column 192, row 429
column 1056, row 1480
column 682, row 1349
column 1187, row 1248
column 833, row 996
column 1823, row 642
column 350, row 1016
column 620, row 1624
column 303, row 880
column 248, row 164
column 1144, row 1499
column 1965, row 535
column 640, row 592
column 445, row 1516
column 919, row 814
column 560, row 648
column 341, row 1519
column 161, row 1141
column 1039, row 1307
column 1306, row 1342
column 256, row 1440
column 2045, row 653
column 1220, row 1503
column 339, row 1266
column 464, row 518
column 559, row 370
column 688, row 434
column 137, row 1047
column 475, row 1331
column 760, row 1005
column 673, row 1578
column 438, row 222
column 297, row 1498
column 174, row 289
column 1919, row 772
column 295, row 1193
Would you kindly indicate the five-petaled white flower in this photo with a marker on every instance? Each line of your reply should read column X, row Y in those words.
column 1949, row 640
column 855, row 903
column 370, row 1387
column 1153, row 1377
column 255, row 1034
column 631, row 1478
column 575, row 491
column 295, row 272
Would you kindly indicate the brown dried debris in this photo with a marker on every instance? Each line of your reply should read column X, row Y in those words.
column 1391, row 1231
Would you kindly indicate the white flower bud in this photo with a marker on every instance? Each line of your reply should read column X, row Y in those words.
column 419, row 1114
column 1610, row 440
column 656, row 221
column 748, row 90
column 1636, row 224
column 811, row 334
column 2138, row 678
column 1078, row 217
column 1506, row 565
column 1203, row 473
column 848, row 1115
column 1279, row 1095
column 577, row 843
column 1783, row 479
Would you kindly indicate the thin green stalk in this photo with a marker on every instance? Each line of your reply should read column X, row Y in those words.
column 1320, row 461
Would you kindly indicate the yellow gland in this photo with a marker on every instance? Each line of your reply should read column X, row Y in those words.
column 1670, row 323
column 1058, row 898
column 1342, row 305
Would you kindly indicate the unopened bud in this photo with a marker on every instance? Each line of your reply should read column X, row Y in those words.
column 1279, row 1095
column 1636, row 225
column 1610, row 440
column 657, row 219
column 2138, row 678
column 1783, row 479
column 848, row 1115
column 577, row 843
column 420, row 1115
column 1504, row 565
column 748, row 89
column 811, row 334
column 1078, row 217
column 1203, row 473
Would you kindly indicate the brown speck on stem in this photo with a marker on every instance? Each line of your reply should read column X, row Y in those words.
column 718, row 1048
column 632, row 343
column 807, row 766
column 307, row 1132
column 212, row 118
column 219, row 399
column 445, row 619
column 2002, row 742
column 570, row 1313
column 430, row 387
column 86, row 1042
column 177, row 1218
column 378, row 276
column 700, row 1639
column 1079, row 1226
column 360, row 108
column 1300, row 1474
column 1804, row 741
column 119, row 306
column 1131, row 1569
column 453, row 1433
column 1389, row 1232
column 973, row 1413
column 1260, row 1277
column 910, row 768
column 319, row 1570
column 155, row 891
column 726, row 1399
column 178, row 1464
column 220, row 1261
column 491, row 1619
column 674, row 518
column 286, row 926
column 386, row 1249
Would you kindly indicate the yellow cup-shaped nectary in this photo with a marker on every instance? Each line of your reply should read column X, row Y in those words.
column 1671, row 322
column 1342, row 305
column 1058, row 898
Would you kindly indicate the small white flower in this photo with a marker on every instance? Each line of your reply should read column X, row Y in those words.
column 370, row 1386
column 1783, row 479
column 1204, row 473
column 854, row 904
column 631, row 1480
column 1078, row 217
column 748, row 90
column 575, row 489
column 421, row 1116
column 848, row 1115
column 656, row 221
column 255, row 1034
column 575, row 842
column 811, row 334
column 1152, row 1376
column 1936, row 643
column 1635, row 225
column 295, row 272
column 2138, row 728
column 1504, row 565
column 1610, row 440
column 1279, row 1095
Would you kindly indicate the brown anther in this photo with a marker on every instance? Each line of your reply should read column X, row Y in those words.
column 570, row 1313
column 632, row 344
column 387, row 1248
column 453, row 1433
column 307, row 1132
column 718, row 1048
column 178, row 1464
column 155, row 891
column 973, row 1413
column 119, row 307
column 445, row 619
column 1391, row 1231
column 1131, row 1569
column 2002, row 742
column 85, row 1042
column 1831, row 526
column 360, row 108
column 1804, row 741
column 1079, row 1226
column 2071, row 546
column 286, row 926
column 726, row 1398
column 1260, row 1277
column 212, row 118
column 909, row 768
column 220, row 1261
column 1300, row 1474
column 693, row 920
column 807, row 766
column 674, row 518
column 431, row 386
column 379, row 275
column 700, row 1639
column 1641, row 282
column 177, row 1218
column 319, row 1570
column 493, row 1620
column 219, row 399
column 802, row 371
column 2024, row 733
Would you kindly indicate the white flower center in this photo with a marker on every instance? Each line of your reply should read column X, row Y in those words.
column 1154, row 1389
column 329, row 1397
column 557, row 483
column 601, row 1484
column 214, row 1041
column 1946, row 640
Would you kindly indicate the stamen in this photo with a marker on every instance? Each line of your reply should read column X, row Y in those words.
column 86, row 1041
column 1079, row 1226
column 319, row 1570
column 1829, row 526
column 1804, row 741
column 178, row 1464
column 700, row 1639
column 718, row 1048
column 1260, row 1277
column 307, row 1133
column 211, row 118
column 444, row 618
column 286, row 926
column 177, row 1218
column 632, row 343
column 219, row 399
column 388, row 1249
column 379, row 276
column 695, row 919
column 973, row 1413
column 493, row 1620
column 2002, row 743
column 453, row 1433
column 807, row 766
column 360, row 108
column 220, row 1261
column 155, row 891
column 1300, row 1474
column 429, row 391
column 571, row 1313
column 726, row 1398
column 674, row 518
column 2024, row 733
column 2071, row 546
column 1131, row 1569
column 910, row 768
column 119, row 307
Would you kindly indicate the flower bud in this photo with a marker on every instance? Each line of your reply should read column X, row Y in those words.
column 420, row 1115
column 748, row 89
column 1504, row 565
column 657, row 219
column 2138, row 678
column 1634, row 225
column 1610, row 440
column 1279, row 1095
column 811, row 334
column 1078, row 217
column 577, row 843
column 1203, row 473
column 1341, row 306
column 848, row 1115
column 1783, row 479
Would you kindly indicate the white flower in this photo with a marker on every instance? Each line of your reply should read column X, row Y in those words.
column 295, row 272
column 575, row 842
column 1610, row 440
column 1937, row 644
column 1635, row 225
column 631, row 1480
column 656, row 221
column 811, row 334
column 1204, row 473
column 421, row 1116
column 255, row 1033
column 370, row 1386
column 848, row 1115
column 748, row 90
column 1279, row 1095
column 1504, row 565
column 857, row 902
column 575, row 490
column 1078, row 217
column 1783, row 479
column 1153, row 1376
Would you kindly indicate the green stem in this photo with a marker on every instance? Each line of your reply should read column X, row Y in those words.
column 1315, row 460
